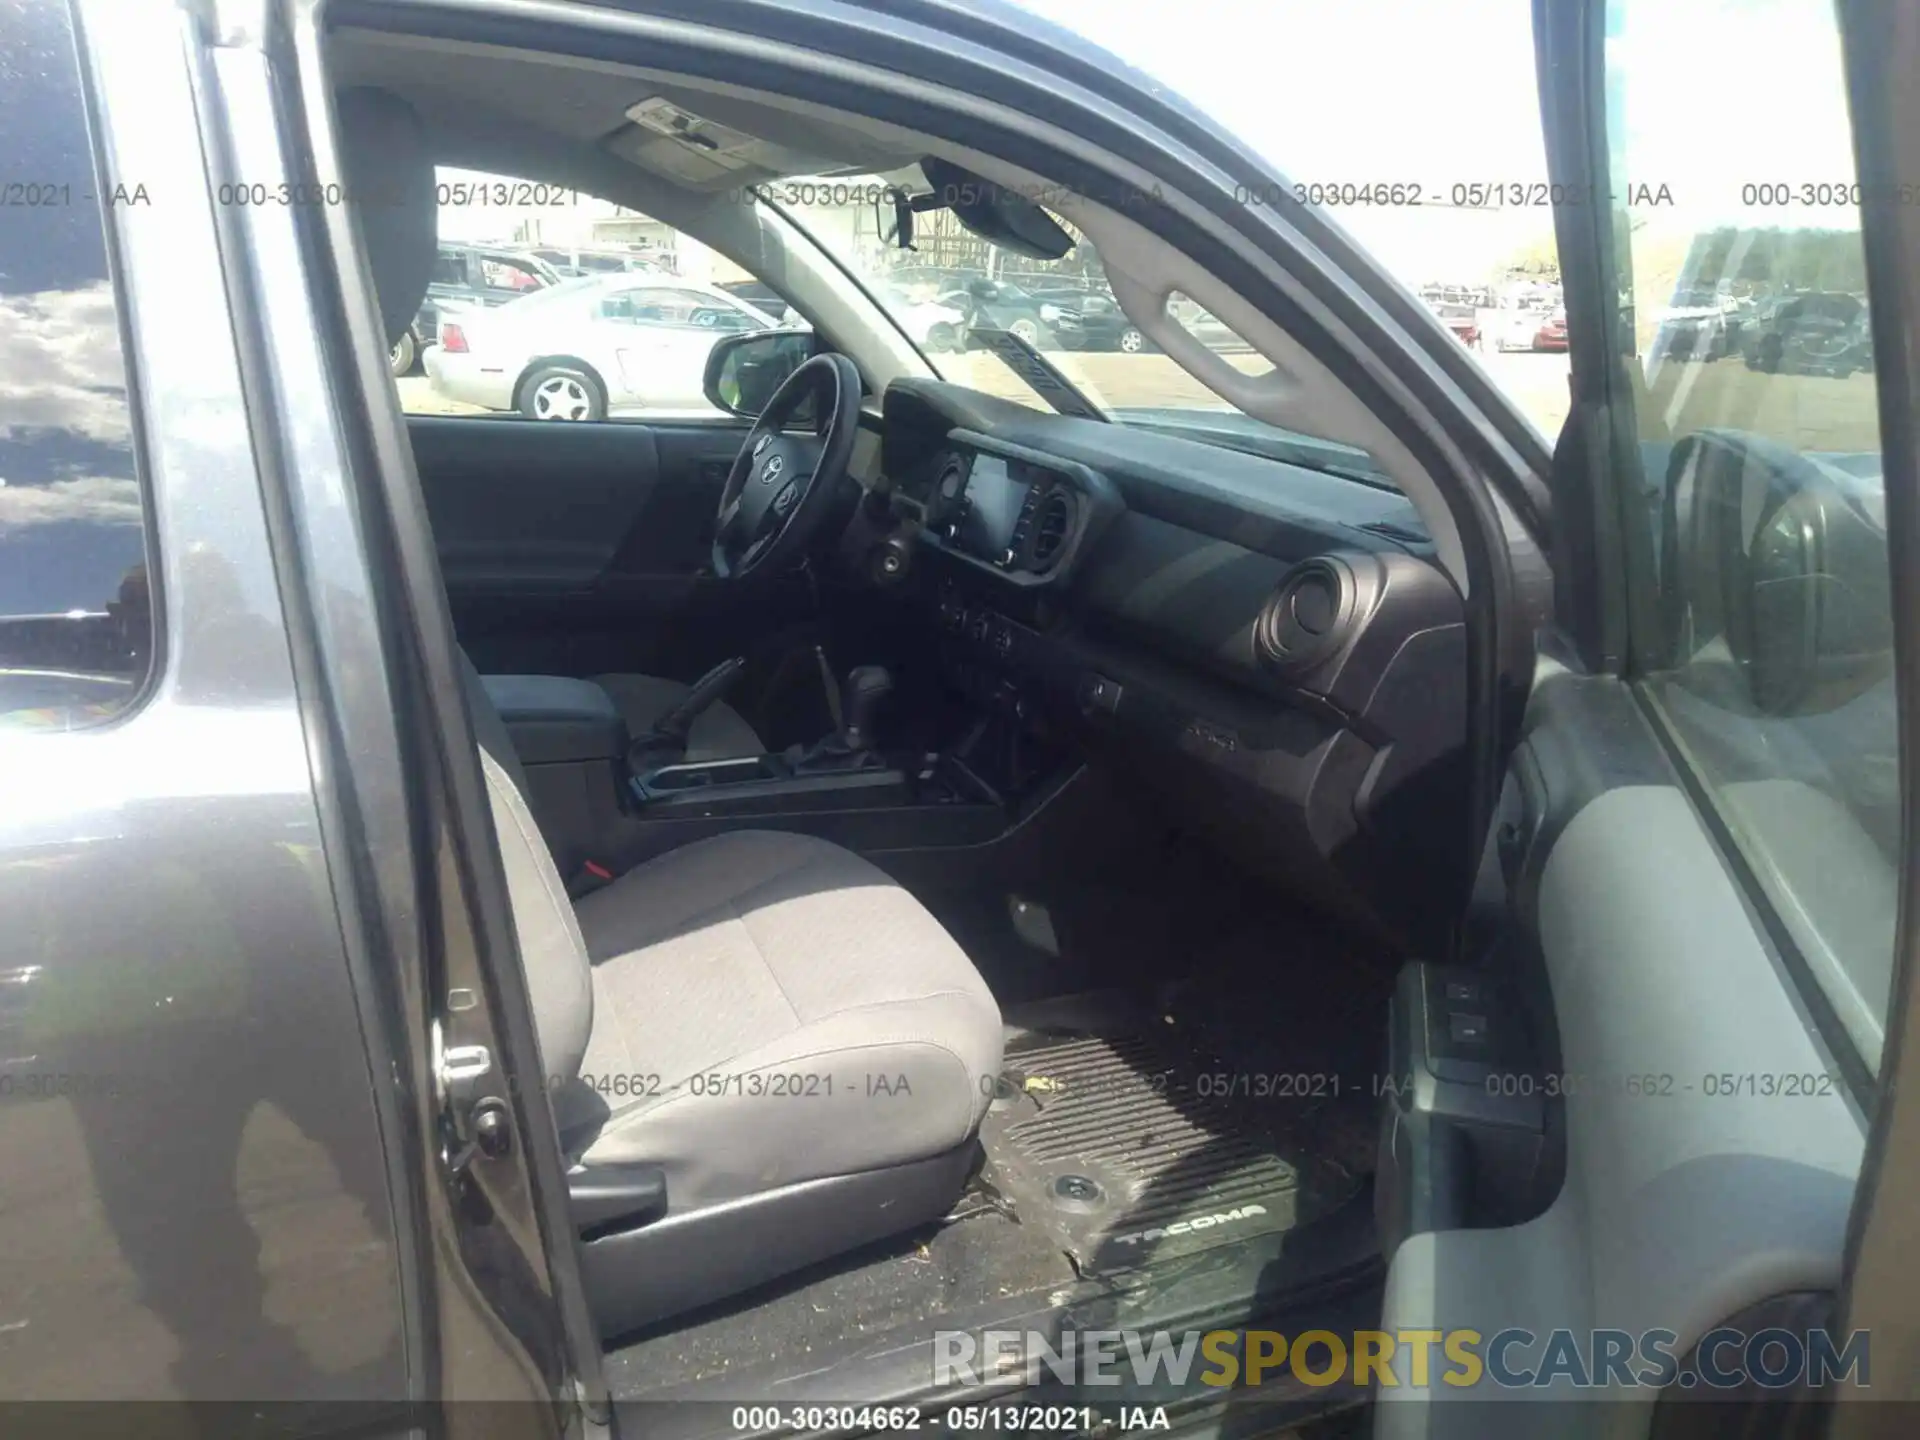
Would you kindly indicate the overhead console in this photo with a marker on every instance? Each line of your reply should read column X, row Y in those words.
column 1019, row 513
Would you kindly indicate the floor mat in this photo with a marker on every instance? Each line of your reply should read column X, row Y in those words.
column 1136, row 1148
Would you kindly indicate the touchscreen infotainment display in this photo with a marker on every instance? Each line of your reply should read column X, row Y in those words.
column 993, row 500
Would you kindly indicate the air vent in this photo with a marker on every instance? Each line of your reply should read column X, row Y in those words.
column 952, row 477
column 1050, row 529
column 1309, row 616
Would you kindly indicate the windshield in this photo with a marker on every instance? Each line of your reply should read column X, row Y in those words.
column 953, row 283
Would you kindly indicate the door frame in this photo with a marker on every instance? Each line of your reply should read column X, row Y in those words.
column 1607, row 585
column 1881, row 47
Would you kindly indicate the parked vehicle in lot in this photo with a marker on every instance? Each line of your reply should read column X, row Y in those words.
column 1693, row 326
column 1474, row 297
column 1003, row 305
column 1816, row 333
column 1351, row 916
column 464, row 278
column 586, row 349
column 928, row 282
column 936, row 327
column 1205, row 326
column 572, row 264
column 1461, row 319
column 1103, row 324
column 762, row 297
column 1528, row 295
column 1513, row 329
column 1528, row 330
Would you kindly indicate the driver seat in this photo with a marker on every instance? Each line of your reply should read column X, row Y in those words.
column 762, row 1020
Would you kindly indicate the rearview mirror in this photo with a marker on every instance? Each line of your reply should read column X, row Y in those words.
column 1785, row 559
column 993, row 212
column 743, row 371
column 893, row 218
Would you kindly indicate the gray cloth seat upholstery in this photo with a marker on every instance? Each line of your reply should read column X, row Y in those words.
column 846, row 1029
column 718, row 733
column 781, row 1029
column 756, row 953
column 760, row 1014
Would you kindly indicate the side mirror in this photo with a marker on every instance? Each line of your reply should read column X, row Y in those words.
column 1787, row 561
column 743, row 371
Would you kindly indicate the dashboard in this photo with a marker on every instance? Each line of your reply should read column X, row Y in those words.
column 1266, row 649
column 1017, row 512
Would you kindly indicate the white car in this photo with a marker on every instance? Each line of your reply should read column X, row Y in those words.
column 618, row 344
column 1514, row 329
column 933, row 326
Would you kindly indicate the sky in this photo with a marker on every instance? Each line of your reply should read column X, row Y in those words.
column 1439, row 93
column 1352, row 91
column 1419, row 92
column 1346, row 92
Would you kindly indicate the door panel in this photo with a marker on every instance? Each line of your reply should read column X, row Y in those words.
column 1686, row 1195
column 574, row 549
column 1700, row 843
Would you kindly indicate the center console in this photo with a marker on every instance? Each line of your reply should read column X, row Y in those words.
column 606, row 801
column 553, row 720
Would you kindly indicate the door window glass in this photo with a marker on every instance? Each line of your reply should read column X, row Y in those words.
column 569, row 308
column 1764, row 629
column 698, row 309
column 498, row 273
column 76, row 614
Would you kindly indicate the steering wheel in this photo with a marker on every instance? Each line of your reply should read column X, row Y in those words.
column 781, row 485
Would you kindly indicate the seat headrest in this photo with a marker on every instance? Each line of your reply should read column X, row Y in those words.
column 390, row 183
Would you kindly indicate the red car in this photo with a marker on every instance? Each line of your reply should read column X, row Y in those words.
column 1553, row 334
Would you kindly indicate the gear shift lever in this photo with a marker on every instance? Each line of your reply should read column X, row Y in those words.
column 866, row 687
column 851, row 746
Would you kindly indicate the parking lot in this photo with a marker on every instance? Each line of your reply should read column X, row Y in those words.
column 1536, row 383
column 1807, row 411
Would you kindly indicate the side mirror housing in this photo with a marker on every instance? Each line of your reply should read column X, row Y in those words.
column 1786, row 560
column 743, row 371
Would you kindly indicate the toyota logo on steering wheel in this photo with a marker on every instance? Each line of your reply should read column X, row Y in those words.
column 770, row 472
